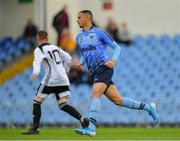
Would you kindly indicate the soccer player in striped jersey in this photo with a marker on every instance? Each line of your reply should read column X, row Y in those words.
column 92, row 43
column 56, row 63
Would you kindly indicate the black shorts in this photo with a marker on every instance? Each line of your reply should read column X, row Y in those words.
column 103, row 74
column 59, row 91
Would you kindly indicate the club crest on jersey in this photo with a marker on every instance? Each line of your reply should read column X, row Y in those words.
column 91, row 36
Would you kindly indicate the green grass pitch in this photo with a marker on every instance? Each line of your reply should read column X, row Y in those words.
column 102, row 134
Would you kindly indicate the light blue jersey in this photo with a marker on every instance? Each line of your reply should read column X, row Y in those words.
column 92, row 45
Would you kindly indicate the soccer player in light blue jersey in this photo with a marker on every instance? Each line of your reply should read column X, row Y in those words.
column 92, row 43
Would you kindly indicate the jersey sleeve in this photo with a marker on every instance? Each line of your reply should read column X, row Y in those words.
column 38, row 57
column 66, row 59
column 82, row 60
column 105, row 37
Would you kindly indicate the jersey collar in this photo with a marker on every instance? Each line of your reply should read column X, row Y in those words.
column 89, row 29
column 41, row 46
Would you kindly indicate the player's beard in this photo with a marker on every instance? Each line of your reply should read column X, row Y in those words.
column 80, row 26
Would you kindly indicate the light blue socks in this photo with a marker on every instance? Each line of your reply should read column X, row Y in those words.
column 94, row 110
column 130, row 103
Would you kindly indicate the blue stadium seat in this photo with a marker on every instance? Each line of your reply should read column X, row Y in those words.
column 164, row 38
column 176, row 39
column 10, row 48
column 23, row 45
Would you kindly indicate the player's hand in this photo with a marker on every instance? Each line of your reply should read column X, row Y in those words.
column 88, row 73
column 79, row 66
column 33, row 76
column 110, row 63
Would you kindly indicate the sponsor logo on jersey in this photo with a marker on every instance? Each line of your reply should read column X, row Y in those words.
column 89, row 48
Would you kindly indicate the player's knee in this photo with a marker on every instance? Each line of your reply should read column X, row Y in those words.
column 97, row 94
column 63, row 101
column 35, row 102
column 38, row 100
column 117, row 101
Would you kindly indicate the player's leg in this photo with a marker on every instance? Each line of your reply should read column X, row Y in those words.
column 37, row 111
column 36, row 116
column 113, row 94
column 39, row 98
column 64, row 106
column 102, row 78
column 98, row 90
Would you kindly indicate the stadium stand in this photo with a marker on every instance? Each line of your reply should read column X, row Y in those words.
column 148, row 70
column 10, row 48
column 18, row 67
column 13, row 56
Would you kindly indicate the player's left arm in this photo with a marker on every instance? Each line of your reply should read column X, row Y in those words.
column 117, row 49
column 116, row 53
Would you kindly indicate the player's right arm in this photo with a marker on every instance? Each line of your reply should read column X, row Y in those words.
column 38, row 57
column 81, row 62
column 79, row 66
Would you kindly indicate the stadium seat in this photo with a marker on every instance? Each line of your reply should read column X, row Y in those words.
column 10, row 48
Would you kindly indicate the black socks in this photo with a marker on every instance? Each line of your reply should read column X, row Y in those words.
column 36, row 115
column 72, row 111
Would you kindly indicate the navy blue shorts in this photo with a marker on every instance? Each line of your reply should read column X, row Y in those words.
column 103, row 74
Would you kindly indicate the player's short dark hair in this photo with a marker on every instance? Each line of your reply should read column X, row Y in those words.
column 42, row 34
column 87, row 12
